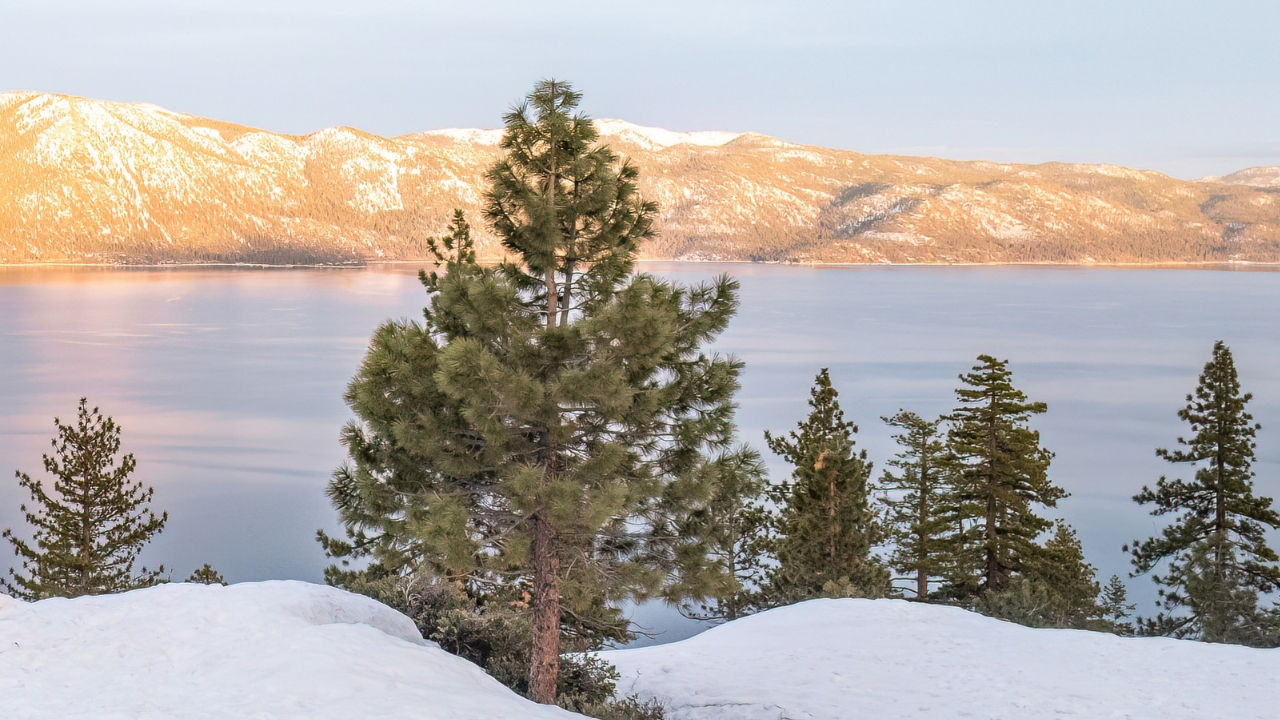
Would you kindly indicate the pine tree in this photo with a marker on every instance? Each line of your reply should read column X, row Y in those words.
column 1216, row 547
column 542, row 428
column 1000, row 477
column 918, row 522
column 826, row 526
column 89, row 531
column 206, row 576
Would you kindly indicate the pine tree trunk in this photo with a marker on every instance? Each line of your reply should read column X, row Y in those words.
column 545, row 667
column 922, row 583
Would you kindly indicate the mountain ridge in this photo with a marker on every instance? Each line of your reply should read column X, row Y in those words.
column 91, row 181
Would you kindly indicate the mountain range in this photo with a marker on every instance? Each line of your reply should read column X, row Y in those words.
column 90, row 181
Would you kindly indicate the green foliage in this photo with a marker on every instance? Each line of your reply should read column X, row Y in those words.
column 545, row 426
column 206, row 576
column 736, row 526
column 918, row 499
column 1116, row 608
column 629, row 708
column 1216, row 548
column 1055, row 589
column 826, row 526
column 89, row 531
column 1001, row 475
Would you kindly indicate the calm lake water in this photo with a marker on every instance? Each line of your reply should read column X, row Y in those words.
column 228, row 382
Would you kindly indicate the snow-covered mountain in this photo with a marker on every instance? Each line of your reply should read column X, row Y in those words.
column 1263, row 177
column 256, row 650
column 894, row 660
column 94, row 181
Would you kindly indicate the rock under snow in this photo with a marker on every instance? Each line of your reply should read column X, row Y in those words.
column 884, row 659
column 266, row 651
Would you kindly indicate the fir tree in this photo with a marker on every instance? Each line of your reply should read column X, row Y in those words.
column 544, row 426
column 206, row 576
column 736, row 524
column 1115, row 606
column 89, row 531
column 1056, row 588
column 918, row 520
column 1000, row 477
column 826, row 525
column 1216, row 547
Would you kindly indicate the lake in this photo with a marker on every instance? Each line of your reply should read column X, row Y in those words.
column 228, row 382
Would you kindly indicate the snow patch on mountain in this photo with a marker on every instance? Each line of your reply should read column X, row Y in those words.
column 652, row 138
column 891, row 659
column 470, row 136
column 254, row 650
column 649, row 138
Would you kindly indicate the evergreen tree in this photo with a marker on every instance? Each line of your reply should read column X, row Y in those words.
column 1216, row 547
column 1056, row 588
column 918, row 520
column 736, row 524
column 826, row 526
column 1115, row 606
column 206, row 576
column 1001, row 475
column 544, row 426
column 89, row 531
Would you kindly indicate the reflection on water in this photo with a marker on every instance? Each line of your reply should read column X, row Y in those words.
column 228, row 382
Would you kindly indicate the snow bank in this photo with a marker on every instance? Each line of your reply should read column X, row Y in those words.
column 883, row 659
column 265, row 651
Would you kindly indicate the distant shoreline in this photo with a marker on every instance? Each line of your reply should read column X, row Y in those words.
column 1238, row 266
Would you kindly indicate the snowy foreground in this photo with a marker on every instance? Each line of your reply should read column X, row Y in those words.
column 265, row 651
column 883, row 659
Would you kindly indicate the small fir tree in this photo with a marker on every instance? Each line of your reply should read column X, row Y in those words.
column 1056, row 588
column 543, row 428
column 826, row 525
column 1116, row 608
column 89, row 531
column 1216, row 548
column 206, row 576
column 1001, row 476
column 918, row 523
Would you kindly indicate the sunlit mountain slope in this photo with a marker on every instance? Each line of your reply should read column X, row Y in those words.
column 92, row 181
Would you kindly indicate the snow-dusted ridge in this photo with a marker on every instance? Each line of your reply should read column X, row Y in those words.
column 649, row 138
column 890, row 659
column 266, row 651
column 95, row 181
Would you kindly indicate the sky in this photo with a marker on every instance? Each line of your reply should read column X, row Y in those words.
column 1187, row 88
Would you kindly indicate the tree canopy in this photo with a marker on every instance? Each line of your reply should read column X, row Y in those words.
column 551, row 419
column 89, row 531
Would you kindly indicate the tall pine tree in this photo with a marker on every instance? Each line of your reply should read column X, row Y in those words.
column 89, row 530
column 918, row 499
column 1001, row 477
column 544, row 425
column 1216, row 547
column 826, row 524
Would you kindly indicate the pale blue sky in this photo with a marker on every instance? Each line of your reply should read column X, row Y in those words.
column 1189, row 88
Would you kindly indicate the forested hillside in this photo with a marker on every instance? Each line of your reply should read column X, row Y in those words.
column 102, row 182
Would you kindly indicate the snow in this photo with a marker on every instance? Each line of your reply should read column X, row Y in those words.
column 885, row 659
column 266, row 651
column 471, row 136
column 649, row 138
column 652, row 138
